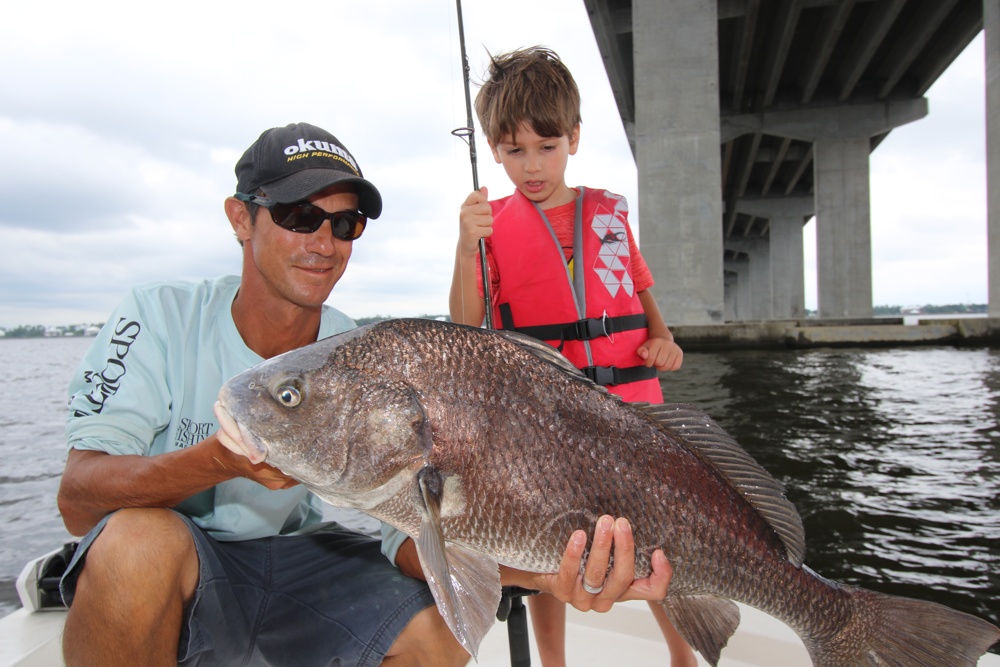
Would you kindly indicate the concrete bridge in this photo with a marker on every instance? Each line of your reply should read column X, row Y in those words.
column 748, row 117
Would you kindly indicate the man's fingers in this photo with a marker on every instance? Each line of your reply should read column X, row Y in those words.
column 569, row 568
column 619, row 578
column 623, row 572
column 656, row 585
column 588, row 588
column 600, row 553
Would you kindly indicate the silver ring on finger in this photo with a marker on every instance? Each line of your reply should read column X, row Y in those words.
column 593, row 590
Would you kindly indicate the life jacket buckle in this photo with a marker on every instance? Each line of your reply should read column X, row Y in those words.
column 590, row 328
column 602, row 375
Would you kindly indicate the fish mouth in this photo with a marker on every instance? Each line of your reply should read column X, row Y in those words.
column 237, row 439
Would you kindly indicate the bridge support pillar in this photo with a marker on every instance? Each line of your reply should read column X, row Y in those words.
column 785, row 216
column 738, row 289
column 676, row 70
column 788, row 289
column 843, row 228
column 757, row 282
column 991, row 26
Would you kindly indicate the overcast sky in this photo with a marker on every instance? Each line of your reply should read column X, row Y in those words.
column 120, row 124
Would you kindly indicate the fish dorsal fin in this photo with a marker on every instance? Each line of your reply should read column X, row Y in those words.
column 465, row 584
column 754, row 483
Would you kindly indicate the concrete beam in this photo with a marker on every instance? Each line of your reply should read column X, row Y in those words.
column 606, row 30
column 777, row 207
column 826, row 122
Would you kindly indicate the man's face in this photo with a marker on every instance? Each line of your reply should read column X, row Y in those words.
column 301, row 268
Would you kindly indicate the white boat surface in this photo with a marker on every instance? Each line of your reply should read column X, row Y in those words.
column 625, row 635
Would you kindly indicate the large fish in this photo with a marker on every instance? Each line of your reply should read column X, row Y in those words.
column 488, row 447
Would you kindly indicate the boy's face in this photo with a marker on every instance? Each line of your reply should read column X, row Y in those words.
column 537, row 165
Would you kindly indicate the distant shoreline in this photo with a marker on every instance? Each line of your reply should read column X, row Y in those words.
column 881, row 312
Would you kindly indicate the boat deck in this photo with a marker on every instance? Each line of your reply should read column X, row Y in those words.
column 627, row 633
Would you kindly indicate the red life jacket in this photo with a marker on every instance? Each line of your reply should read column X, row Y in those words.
column 593, row 317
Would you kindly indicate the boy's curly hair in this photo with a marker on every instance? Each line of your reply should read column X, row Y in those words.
column 532, row 86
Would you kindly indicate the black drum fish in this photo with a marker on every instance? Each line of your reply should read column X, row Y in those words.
column 489, row 448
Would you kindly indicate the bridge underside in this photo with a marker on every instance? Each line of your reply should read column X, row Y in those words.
column 749, row 117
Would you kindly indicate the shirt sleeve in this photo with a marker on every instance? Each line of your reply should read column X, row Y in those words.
column 392, row 539
column 118, row 397
column 641, row 275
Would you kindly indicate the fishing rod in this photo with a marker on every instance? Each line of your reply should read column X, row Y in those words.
column 511, row 609
column 468, row 134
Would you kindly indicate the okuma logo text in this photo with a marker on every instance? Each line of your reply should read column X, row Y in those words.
column 322, row 146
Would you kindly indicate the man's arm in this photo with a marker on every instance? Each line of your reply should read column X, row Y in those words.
column 95, row 483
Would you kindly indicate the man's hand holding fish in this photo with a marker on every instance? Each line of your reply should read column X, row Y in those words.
column 616, row 584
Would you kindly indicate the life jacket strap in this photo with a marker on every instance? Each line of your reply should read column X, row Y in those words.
column 585, row 329
column 611, row 375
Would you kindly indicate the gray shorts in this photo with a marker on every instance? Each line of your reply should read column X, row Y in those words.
column 327, row 598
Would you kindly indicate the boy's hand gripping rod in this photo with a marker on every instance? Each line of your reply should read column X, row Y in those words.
column 469, row 135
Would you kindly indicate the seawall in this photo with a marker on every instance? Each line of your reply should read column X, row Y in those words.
column 885, row 332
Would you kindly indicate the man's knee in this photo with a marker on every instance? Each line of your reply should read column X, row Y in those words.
column 427, row 640
column 129, row 599
column 152, row 546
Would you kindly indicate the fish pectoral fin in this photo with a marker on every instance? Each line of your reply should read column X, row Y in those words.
column 705, row 621
column 465, row 584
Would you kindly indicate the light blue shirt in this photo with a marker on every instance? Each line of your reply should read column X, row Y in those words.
column 147, row 386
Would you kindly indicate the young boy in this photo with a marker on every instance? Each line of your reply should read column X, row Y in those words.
column 563, row 266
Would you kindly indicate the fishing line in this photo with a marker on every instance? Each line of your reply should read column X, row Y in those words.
column 468, row 135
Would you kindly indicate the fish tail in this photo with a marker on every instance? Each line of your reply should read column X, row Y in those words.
column 890, row 631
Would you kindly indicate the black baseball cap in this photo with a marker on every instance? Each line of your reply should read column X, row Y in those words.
column 293, row 162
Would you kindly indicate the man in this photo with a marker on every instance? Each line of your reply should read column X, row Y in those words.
column 191, row 554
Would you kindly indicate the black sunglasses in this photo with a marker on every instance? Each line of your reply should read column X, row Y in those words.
column 305, row 218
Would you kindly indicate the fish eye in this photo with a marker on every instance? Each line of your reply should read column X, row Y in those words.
column 288, row 396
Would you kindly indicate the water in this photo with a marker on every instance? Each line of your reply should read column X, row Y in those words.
column 891, row 455
column 32, row 451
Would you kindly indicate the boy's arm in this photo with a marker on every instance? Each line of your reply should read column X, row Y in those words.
column 660, row 350
column 465, row 305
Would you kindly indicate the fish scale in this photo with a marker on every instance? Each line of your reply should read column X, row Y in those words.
column 489, row 448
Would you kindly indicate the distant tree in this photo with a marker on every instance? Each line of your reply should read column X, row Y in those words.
column 959, row 308
column 26, row 331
